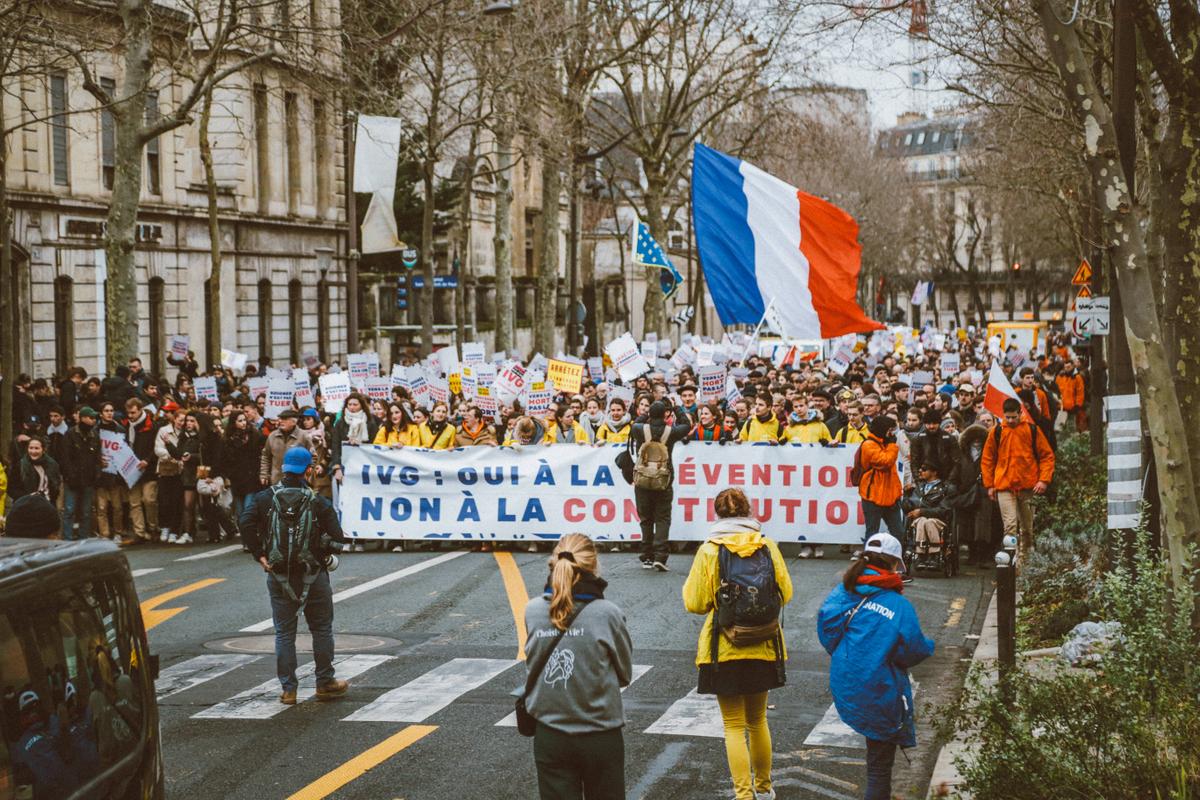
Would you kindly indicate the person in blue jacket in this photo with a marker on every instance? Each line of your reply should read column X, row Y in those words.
column 874, row 636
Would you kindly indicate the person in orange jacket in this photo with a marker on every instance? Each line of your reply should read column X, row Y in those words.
column 1071, row 390
column 1017, row 463
column 880, row 488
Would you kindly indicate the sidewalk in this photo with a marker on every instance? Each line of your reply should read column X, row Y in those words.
column 946, row 780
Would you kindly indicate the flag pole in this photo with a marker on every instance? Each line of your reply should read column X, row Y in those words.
column 757, row 329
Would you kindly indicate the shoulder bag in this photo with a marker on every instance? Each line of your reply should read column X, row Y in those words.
column 526, row 723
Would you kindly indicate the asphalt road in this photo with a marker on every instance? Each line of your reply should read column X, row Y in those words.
column 430, row 647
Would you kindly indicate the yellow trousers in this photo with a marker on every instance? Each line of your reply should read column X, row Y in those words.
column 745, row 717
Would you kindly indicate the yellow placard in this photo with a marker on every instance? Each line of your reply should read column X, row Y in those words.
column 455, row 383
column 567, row 377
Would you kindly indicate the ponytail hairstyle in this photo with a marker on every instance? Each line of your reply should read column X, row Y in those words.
column 575, row 553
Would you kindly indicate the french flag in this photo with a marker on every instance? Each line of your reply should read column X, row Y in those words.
column 763, row 242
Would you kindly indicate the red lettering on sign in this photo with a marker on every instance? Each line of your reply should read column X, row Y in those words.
column 760, row 475
column 850, row 482
column 785, row 471
column 688, row 504
column 789, row 506
column 737, row 474
column 761, row 509
column 711, row 473
column 573, row 510
column 631, row 514
column 837, row 512
column 806, row 475
column 827, row 476
column 605, row 510
column 687, row 473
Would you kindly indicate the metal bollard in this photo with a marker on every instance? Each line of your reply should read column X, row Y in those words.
column 1006, row 603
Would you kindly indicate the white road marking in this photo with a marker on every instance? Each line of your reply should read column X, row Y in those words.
column 832, row 732
column 383, row 580
column 638, row 671
column 424, row 696
column 195, row 671
column 220, row 551
column 262, row 701
column 137, row 573
column 691, row 715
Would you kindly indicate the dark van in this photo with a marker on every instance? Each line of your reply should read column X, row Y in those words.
column 77, row 707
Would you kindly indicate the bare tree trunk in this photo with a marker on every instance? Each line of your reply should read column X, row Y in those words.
column 502, row 235
column 213, row 345
column 546, row 303
column 425, row 294
column 8, row 306
column 653, row 307
column 1123, row 238
column 464, row 221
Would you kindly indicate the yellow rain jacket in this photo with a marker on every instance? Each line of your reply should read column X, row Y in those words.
column 743, row 537
column 444, row 441
column 409, row 437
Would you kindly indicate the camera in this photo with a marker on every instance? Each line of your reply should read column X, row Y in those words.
column 330, row 548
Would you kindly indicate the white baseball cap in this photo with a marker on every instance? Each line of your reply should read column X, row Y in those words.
column 886, row 544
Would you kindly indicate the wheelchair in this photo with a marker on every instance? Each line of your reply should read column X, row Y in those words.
column 945, row 561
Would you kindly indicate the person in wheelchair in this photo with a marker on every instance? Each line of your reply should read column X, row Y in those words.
column 927, row 513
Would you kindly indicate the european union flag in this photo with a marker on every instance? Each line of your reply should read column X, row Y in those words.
column 647, row 253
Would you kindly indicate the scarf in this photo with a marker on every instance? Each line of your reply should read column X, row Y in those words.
column 43, row 482
column 765, row 418
column 615, row 424
column 436, row 427
column 882, row 578
column 474, row 434
column 565, row 435
column 59, row 428
column 709, row 434
column 356, row 426
column 588, row 587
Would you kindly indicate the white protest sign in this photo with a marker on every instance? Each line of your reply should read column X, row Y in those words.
column 485, row 376
column 841, row 360
column 732, row 393
column 378, row 388
column 206, row 389
column 626, row 358
column 950, row 364
column 622, row 393
column 485, row 402
column 649, row 351
column 921, row 378
column 335, row 388
column 400, row 375
column 418, row 385
column 275, row 373
column 257, row 387
column 473, row 353
column 304, row 395
column 595, row 368
column 712, row 383
column 539, row 399
column 447, row 360
column 469, row 381
column 119, row 458
column 359, row 365
column 706, row 355
column 280, row 392
column 179, row 346
column 510, row 382
column 235, row 361
column 439, row 390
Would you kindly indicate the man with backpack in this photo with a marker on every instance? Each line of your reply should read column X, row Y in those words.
column 1017, row 463
column 650, row 445
column 292, row 531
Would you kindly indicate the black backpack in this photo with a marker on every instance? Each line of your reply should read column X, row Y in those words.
column 291, row 521
column 857, row 471
column 748, row 600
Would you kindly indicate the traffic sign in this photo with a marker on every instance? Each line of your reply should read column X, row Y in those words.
column 1083, row 275
column 1085, row 291
column 1092, row 316
column 408, row 257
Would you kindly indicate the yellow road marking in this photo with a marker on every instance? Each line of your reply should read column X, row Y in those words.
column 956, row 612
column 356, row 767
column 152, row 615
column 518, row 596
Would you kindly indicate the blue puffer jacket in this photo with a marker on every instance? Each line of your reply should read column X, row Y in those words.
column 869, row 672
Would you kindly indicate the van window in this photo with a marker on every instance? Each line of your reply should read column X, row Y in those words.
column 74, row 692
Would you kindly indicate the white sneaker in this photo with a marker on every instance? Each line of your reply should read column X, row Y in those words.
column 167, row 535
column 806, row 552
column 533, row 548
column 660, row 566
column 171, row 538
column 185, row 538
column 765, row 795
column 358, row 548
column 818, row 552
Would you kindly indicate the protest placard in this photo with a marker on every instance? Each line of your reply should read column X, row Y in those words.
column 950, row 364
column 712, row 383
column 732, row 393
column 304, row 395
column 359, row 366
column 378, row 388
column 539, row 398
column 118, row 457
column 179, row 346
column 206, row 389
column 280, row 392
column 921, row 377
column 485, row 401
column 649, row 351
column 468, row 381
column 565, row 376
column 275, row 373
column 418, row 385
column 840, row 361
column 257, row 387
column 335, row 388
column 626, row 358
column 232, row 360
column 485, row 375
column 439, row 390
column 447, row 360
column 511, row 381
column 622, row 393
column 706, row 354
column 473, row 353
column 310, row 361
column 595, row 366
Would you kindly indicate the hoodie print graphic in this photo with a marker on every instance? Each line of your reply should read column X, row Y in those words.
column 560, row 667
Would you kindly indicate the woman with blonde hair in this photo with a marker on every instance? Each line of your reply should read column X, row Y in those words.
column 574, row 680
column 740, row 581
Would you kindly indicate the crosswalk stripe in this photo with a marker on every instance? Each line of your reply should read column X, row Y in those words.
column 424, row 696
column 262, row 701
column 383, row 580
column 832, row 732
column 195, row 671
column 220, row 551
column 692, row 715
column 137, row 573
column 638, row 671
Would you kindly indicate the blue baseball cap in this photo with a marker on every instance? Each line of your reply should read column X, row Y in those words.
column 296, row 460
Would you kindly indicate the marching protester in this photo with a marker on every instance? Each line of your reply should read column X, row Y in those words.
column 37, row 473
column 879, row 487
column 81, row 470
column 1017, row 463
column 874, row 637
column 650, row 445
column 474, row 431
column 288, row 529
column 740, row 582
column 573, row 685
column 142, row 432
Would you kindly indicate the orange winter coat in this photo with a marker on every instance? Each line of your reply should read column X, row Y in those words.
column 880, row 483
column 1013, row 465
column 1070, row 388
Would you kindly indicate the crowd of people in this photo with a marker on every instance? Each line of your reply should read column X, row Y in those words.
column 201, row 459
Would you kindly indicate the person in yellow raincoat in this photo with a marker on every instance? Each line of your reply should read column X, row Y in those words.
column 398, row 429
column 437, row 433
column 744, row 674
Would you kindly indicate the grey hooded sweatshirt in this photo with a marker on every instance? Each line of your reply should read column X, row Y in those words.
column 579, row 690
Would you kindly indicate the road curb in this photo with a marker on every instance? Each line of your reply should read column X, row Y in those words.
column 946, row 780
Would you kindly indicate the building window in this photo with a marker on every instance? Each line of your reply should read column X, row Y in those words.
column 158, row 324
column 153, row 176
column 108, row 138
column 262, row 141
column 921, row 138
column 64, row 323
column 936, row 137
column 321, row 139
column 58, row 127
column 264, row 321
column 907, row 139
column 323, row 320
column 295, row 320
column 292, row 122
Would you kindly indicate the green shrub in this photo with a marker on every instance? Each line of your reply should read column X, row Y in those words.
column 1130, row 728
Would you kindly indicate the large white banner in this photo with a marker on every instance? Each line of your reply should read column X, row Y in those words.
column 799, row 492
